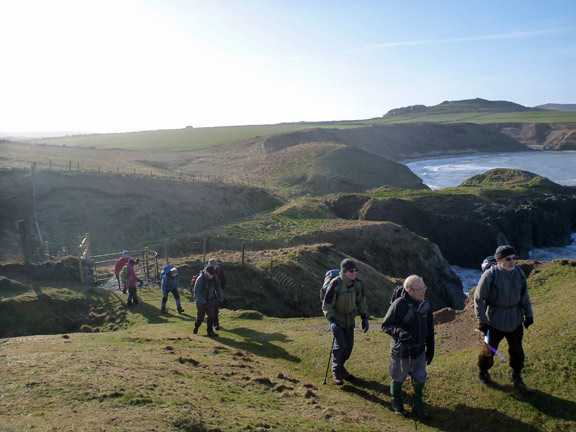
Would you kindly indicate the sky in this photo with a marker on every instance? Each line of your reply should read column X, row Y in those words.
column 101, row 66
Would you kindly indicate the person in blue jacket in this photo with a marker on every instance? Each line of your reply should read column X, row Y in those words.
column 170, row 285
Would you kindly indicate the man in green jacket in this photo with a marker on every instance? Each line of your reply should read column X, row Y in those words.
column 344, row 300
column 502, row 305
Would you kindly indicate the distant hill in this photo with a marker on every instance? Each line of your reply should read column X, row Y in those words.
column 477, row 105
column 557, row 107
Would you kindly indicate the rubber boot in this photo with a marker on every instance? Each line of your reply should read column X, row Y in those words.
column 396, row 393
column 518, row 382
column 418, row 403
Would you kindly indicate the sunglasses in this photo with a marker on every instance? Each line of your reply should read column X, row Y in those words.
column 353, row 271
column 510, row 258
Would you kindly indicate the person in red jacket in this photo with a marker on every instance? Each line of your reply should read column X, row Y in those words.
column 121, row 262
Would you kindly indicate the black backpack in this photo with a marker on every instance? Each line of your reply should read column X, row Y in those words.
column 396, row 294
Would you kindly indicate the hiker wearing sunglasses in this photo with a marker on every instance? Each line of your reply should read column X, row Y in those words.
column 502, row 305
column 410, row 322
column 344, row 300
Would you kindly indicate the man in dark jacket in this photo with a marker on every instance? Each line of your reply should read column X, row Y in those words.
column 222, row 279
column 344, row 300
column 410, row 322
column 502, row 305
column 207, row 292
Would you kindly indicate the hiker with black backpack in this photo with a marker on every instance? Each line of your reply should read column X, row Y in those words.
column 222, row 279
column 345, row 298
column 207, row 292
column 170, row 285
column 502, row 305
column 410, row 322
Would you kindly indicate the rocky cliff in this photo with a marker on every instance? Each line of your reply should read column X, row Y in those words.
column 469, row 226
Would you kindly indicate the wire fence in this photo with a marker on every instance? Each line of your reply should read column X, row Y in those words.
column 78, row 167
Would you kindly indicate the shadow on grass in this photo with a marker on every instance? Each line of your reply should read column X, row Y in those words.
column 549, row 405
column 372, row 391
column 259, row 343
column 464, row 418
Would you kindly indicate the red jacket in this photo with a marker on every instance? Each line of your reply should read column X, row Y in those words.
column 121, row 262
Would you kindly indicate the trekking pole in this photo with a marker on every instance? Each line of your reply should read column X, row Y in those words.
column 329, row 357
column 413, row 394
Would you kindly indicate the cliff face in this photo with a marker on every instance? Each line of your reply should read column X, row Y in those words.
column 469, row 227
column 551, row 136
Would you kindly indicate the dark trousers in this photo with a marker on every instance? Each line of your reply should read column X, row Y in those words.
column 209, row 311
column 342, row 348
column 515, row 350
column 132, row 296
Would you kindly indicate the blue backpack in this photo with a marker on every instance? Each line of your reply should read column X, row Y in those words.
column 330, row 274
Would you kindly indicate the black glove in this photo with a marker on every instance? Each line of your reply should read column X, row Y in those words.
column 404, row 336
column 365, row 323
column 484, row 328
column 528, row 321
column 429, row 357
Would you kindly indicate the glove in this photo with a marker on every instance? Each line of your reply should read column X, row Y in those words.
column 429, row 357
column 365, row 323
column 404, row 336
column 528, row 321
column 484, row 328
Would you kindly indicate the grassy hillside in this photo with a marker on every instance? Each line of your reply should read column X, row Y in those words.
column 266, row 374
column 477, row 111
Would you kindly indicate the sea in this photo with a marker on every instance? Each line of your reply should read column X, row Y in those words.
column 559, row 167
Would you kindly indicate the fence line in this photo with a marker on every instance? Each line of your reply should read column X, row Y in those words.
column 100, row 169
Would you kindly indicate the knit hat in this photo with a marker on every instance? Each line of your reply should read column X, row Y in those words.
column 347, row 264
column 125, row 252
column 212, row 262
column 210, row 270
column 504, row 251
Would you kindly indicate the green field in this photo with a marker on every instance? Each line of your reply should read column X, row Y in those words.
column 473, row 111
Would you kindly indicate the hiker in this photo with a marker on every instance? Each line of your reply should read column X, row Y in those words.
column 344, row 300
column 220, row 275
column 131, row 284
column 121, row 262
column 207, row 292
column 170, row 285
column 410, row 322
column 502, row 305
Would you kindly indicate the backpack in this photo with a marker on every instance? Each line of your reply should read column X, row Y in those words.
column 330, row 274
column 488, row 262
column 124, row 275
column 194, row 278
column 396, row 294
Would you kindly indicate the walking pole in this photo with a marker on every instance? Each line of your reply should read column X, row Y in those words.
column 329, row 357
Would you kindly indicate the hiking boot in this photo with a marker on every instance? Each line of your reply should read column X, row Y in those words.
column 484, row 376
column 211, row 333
column 519, row 383
column 180, row 310
column 195, row 331
column 337, row 377
column 346, row 375
column 163, row 310
column 217, row 327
